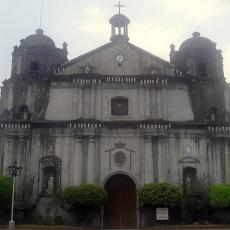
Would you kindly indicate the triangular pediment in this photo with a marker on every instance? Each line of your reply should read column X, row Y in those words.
column 117, row 58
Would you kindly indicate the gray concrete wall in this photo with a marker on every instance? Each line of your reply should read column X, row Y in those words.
column 70, row 102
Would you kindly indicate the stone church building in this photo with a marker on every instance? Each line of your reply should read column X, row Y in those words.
column 117, row 116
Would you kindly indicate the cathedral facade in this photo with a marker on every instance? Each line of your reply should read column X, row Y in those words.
column 117, row 116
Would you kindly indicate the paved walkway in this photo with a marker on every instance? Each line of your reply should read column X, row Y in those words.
column 175, row 227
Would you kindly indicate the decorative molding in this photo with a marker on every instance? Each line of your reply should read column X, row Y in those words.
column 189, row 160
column 222, row 129
column 120, row 145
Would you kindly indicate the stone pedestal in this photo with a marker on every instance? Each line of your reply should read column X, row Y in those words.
column 11, row 225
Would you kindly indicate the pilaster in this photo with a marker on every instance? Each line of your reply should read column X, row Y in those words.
column 80, row 102
column 91, row 161
column 77, row 162
column 148, row 167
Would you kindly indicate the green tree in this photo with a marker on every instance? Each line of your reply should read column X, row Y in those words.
column 6, row 187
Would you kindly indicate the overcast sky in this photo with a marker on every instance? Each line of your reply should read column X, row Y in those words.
column 83, row 24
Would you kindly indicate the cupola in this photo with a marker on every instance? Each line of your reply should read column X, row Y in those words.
column 199, row 57
column 119, row 23
column 37, row 56
column 37, row 40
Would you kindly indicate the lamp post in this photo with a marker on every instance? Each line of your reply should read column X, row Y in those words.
column 14, row 171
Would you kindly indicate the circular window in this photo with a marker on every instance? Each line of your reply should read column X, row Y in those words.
column 119, row 159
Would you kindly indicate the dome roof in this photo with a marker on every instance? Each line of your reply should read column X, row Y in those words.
column 119, row 20
column 197, row 42
column 38, row 40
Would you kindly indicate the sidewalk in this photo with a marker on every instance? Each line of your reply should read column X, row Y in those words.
column 174, row 227
column 189, row 227
column 40, row 227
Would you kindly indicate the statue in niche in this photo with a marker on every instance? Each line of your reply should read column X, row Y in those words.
column 51, row 168
column 188, row 184
column 50, row 185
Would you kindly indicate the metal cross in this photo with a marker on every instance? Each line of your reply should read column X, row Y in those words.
column 119, row 6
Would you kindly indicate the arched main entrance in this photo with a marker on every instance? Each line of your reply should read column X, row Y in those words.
column 121, row 208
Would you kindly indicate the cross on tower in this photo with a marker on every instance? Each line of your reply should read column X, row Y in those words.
column 119, row 6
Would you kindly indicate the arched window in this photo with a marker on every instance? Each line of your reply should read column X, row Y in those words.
column 51, row 174
column 34, row 67
column 189, row 177
column 119, row 106
column 202, row 69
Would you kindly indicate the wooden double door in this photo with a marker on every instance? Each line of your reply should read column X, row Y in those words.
column 120, row 210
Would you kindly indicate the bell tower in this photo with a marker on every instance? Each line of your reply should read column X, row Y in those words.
column 119, row 23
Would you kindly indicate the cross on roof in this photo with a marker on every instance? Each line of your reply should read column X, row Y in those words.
column 119, row 6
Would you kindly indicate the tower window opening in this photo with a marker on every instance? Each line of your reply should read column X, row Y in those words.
column 202, row 69
column 34, row 67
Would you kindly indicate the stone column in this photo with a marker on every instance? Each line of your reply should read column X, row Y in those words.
column 147, row 103
column 159, row 104
column 164, row 103
column 7, row 155
column 227, row 160
column 210, row 167
column 160, row 162
column 148, row 159
column 80, row 102
column 77, row 162
column 93, row 103
column 91, row 161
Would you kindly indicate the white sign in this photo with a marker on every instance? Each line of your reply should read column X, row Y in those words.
column 162, row 213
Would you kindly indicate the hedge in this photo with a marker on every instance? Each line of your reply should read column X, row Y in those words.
column 84, row 195
column 161, row 194
column 6, row 187
column 220, row 196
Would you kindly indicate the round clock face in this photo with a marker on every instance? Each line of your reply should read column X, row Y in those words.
column 119, row 58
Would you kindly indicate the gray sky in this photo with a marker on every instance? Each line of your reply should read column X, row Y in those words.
column 83, row 24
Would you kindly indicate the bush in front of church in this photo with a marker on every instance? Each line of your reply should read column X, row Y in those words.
column 160, row 194
column 5, row 191
column 88, row 195
column 220, row 196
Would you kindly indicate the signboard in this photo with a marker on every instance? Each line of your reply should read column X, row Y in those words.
column 162, row 213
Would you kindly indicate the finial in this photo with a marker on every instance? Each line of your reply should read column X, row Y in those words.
column 39, row 32
column 196, row 34
column 172, row 47
column 119, row 7
column 65, row 45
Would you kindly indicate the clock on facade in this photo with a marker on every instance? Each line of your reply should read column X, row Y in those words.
column 119, row 58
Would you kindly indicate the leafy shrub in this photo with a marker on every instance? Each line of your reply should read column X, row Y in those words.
column 159, row 194
column 220, row 196
column 84, row 195
column 5, row 191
